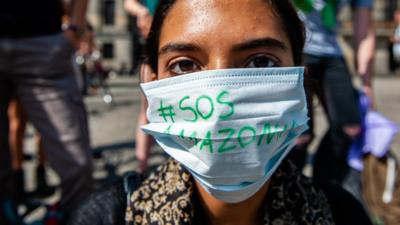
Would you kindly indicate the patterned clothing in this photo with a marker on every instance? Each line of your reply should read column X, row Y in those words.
column 167, row 197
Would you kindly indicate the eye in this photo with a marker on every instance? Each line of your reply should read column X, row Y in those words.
column 260, row 61
column 183, row 66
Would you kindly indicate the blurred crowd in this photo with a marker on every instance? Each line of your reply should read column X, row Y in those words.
column 49, row 62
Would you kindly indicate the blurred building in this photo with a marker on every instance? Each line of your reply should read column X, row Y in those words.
column 112, row 26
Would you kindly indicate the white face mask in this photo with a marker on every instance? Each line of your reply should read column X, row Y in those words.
column 230, row 128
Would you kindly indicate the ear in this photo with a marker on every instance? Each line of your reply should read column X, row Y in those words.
column 147, row 74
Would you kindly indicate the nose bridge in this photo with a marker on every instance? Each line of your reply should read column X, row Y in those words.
column 219, row 60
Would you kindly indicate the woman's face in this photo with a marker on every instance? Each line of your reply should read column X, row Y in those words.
column 217, row 34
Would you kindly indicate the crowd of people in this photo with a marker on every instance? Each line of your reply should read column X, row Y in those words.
column 228, row 92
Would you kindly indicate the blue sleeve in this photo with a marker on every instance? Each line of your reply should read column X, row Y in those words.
column 362, row 3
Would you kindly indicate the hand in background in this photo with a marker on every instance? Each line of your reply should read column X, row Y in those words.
column 73, row 39
column 144, row 21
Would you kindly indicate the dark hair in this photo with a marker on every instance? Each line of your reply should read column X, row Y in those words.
column 283, row 8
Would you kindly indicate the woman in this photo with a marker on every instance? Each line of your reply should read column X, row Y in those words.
column 227, row 118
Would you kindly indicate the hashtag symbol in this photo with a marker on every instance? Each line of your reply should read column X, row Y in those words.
column 166, row 112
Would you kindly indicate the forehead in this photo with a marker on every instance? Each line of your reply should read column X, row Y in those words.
column 221, row 21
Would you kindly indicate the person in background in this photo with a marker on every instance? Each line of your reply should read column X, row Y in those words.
column 18, row 123
column 87, row 52
column 395, row 38
column 143, row 12
column 6, row 187
column 35, row 59
column 390, row 9
column 144, row 142
column 333, row 85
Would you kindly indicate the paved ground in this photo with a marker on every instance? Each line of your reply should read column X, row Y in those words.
column 113, row 127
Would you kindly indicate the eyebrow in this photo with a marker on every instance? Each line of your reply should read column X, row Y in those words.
column 248, row 45
column 257, row 43
column 178, row 47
